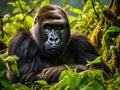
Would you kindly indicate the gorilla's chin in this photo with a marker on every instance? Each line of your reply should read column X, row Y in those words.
column 53, row 52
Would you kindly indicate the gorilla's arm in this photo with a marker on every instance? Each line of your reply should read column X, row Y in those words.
column 51, row 74
column 23, row 46
column 83, row 50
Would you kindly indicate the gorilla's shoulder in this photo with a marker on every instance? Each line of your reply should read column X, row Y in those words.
column 81, row 43
column 22, row 44
column 79, row 37
column 22, row 33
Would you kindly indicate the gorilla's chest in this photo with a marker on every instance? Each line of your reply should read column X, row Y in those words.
column 65, row 58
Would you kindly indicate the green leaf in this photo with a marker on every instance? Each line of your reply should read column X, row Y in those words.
column 115, row 80
column 97, row 60
column 2, row 72
column 13, row 61
column 22, row 2
column 113, row 29
column 97, row 86
column 73, row 22
column 87, row 6
column 11, row 58
column 43, row 3
column 20, row 86
column 43, row 82
column 12, row 3
column 16, row 10
column 75, row 10
column 6, row 84
column 3, row 68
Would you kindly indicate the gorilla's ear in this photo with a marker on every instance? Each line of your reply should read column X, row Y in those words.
column 36, row 20
column 34, row 27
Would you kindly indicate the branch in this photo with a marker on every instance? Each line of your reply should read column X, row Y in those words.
column 29, row 12
column 94, row 8
column 111, row 3
column 3, row 32
column 1, row 51
column 21, row 7
column 1, row 17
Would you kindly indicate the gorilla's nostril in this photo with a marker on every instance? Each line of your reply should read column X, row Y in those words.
column 56, row 39
column 51, row 39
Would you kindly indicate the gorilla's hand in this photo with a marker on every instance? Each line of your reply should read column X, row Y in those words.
column 52, row 74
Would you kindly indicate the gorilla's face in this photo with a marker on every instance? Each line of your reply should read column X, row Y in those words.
column 51, row 31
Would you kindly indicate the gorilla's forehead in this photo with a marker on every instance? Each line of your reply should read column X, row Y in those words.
column 51, row 8
column 52, row 14
column 58, row 22
column 53, row 11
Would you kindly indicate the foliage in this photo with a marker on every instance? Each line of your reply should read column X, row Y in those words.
column 86, row 80
column 86, row 19
column 17, row 20
column 68, row 80
column 113, row 29
column 97, row 60
column 4, row 83
column 91, row 21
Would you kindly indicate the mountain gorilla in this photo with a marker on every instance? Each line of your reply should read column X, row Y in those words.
column 45, row 49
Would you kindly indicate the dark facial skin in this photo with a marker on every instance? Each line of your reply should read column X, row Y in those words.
column 54, row 27
column 54, row 33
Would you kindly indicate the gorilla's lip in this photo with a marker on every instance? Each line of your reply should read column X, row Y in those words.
column 53, row 48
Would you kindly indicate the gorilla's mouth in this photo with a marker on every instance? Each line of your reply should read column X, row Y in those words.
column 53, row 50
column 56, row 47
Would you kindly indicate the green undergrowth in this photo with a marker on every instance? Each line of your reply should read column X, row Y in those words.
column 91, row 79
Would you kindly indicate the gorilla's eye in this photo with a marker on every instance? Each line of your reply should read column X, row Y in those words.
column 59, row 27
column 62, row 31
column 59, row 31
column 48, row 26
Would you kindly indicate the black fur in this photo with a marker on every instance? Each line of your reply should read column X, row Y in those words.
column 35, row 63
